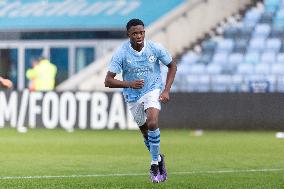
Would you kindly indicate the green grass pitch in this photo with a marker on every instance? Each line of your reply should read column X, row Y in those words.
column 118, row 159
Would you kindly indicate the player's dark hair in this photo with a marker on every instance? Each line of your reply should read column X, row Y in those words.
column 134, row 22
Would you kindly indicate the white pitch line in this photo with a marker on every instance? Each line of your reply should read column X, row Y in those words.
column 138, row 174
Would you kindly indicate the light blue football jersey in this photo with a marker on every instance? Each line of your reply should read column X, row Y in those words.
column 140, row 65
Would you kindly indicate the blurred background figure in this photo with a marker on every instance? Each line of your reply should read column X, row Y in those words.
column 31, row 77
column 42, row 75
column 6, row 83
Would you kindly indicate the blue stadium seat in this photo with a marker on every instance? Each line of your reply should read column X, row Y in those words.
column 198, row 83
column 256, row 45
column 197, row 69
column 235, row 58
column 273, row 45
column 251, row 17
column 221, row 83
column 262, row 31
column 280, row 58
column 268, row 57
column 190, row 58
column 252, row 58
column 245, row 69
column 214, row 68
column 220, row 58
column 225, row 45
column 237, row 83
column 204, row 83
column 280, row 83
column 277, row 69
column 262, row 68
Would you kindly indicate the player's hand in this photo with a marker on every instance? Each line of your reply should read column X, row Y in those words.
column 164, row 97
column 137, row 84
column 6, row 83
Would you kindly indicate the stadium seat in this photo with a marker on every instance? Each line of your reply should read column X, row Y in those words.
column 221, row 83
column 252, row 58
column 235, row 58
column 256, row 45
column 237, row 83
column 197, row 69
column 262, row 68
column 280, row 84
column 280, row 58
column 245, row 69
column 277, row 69
column 204, row 83
column 189, row 58
column 192, row 83
column 251, row 17
column 214, row 68
column 261, row 31
column 268, row 57
column 220, row 58
column 198, row 83
column 225, row 45
column 273, row 45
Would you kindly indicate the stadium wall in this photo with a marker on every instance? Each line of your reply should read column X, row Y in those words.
column 101, row 110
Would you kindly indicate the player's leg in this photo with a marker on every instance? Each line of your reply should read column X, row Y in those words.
column 152, row 108
column 154, row 142
column 144, row 130
column 161, row 159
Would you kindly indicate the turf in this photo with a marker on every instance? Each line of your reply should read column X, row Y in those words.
column 118, row 159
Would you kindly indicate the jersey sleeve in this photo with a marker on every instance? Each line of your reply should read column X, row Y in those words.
column 163, row 55
column 115, row 65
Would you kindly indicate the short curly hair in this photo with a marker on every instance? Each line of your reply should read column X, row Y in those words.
column 134, row 22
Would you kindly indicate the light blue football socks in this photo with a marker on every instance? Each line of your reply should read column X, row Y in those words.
column 146, row 141
column 154, row 143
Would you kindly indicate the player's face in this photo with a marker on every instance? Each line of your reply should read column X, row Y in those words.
column 136, row 35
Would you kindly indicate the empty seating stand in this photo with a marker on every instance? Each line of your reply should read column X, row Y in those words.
column 248, row 51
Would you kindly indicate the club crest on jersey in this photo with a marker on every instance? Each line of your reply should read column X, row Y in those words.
column 152, row 58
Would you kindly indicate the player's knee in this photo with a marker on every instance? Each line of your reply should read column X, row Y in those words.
column 152, row 125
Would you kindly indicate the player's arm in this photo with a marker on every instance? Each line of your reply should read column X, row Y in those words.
column 6, row 83
column 172, row 69
column 111, row 82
